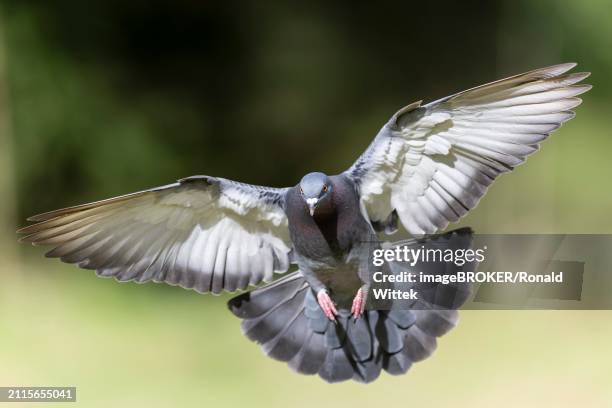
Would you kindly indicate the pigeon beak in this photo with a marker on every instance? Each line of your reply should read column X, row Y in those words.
column 312, row 205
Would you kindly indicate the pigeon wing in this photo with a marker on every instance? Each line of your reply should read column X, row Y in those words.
column 431, row 164
column 204, row 233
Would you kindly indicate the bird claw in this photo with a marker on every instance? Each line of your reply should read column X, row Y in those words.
column 358, row 306
column 327, row 305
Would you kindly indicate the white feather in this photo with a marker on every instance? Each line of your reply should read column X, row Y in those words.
column 453, row 149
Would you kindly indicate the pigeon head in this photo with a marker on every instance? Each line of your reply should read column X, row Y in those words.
column 316, row 189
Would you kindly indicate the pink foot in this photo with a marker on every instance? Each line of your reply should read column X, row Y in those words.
column 327, row 305
column 359, row 302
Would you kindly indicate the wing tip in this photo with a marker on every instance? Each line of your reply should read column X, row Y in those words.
column 570, row 115
column 26, row 240
column 556, row 70
column 42, row 216
column 581, row 75
column 28, row 229
column 582, row 88
column 566, row 66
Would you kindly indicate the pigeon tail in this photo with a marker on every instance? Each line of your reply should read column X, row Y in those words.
column 284, row 317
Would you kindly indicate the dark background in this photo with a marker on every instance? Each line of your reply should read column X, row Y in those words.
column 111, row 96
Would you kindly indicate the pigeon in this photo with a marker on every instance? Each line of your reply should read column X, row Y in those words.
column 426, row 168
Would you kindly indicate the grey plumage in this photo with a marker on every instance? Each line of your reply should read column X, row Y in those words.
column 432, row 163
column 427, row 167
column 286, row 320
column 183, row 234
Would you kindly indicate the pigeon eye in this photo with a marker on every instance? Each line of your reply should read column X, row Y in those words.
column 325, row 189
column 301, row 191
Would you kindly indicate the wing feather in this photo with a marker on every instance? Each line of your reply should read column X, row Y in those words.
column 205, row 233
column 433, row 163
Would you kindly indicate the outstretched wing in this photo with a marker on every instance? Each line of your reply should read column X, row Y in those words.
column 431, row 164
column 205, row 233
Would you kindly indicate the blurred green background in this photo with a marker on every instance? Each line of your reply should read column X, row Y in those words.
column 101, row 98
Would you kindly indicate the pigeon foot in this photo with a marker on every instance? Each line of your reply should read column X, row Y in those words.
column 327, row 305
column 359, row 302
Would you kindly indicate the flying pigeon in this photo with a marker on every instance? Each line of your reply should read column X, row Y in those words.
column 427, row 167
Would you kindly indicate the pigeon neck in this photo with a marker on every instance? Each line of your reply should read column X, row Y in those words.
column 325, row 210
